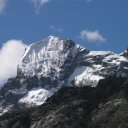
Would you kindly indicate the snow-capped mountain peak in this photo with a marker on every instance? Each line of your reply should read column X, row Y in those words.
column 53, row 62
column 59, row 60
column 47, row 57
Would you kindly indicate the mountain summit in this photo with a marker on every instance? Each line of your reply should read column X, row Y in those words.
column 51, row 63
column 58, row 61
column 52, row 59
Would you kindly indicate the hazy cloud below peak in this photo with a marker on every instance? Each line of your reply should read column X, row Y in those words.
column 92, row 36
column 2, row 6
column 10, row 56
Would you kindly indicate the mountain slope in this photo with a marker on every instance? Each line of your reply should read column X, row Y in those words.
column 53, row 58
column 54, row 61
column 104, row 106
column 51, row 63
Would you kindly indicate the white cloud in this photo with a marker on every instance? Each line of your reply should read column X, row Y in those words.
column 39, row 3
column 2, row 6
column 92, row 36
column 10, row 55
column 57, row 29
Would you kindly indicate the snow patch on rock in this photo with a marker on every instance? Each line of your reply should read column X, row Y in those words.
column 84, row 76
column 6, row 109
column 34, row 97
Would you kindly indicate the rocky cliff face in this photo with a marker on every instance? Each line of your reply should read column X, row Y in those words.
column 104, row 106
column 53, row 62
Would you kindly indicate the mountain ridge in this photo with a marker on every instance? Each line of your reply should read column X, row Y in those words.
column 104, row 106
column 51, row 63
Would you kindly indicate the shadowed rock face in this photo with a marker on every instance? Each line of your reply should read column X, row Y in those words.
column 104, row 106
column 125, row 53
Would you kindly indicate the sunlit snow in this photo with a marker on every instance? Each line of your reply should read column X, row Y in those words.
column 35, row 97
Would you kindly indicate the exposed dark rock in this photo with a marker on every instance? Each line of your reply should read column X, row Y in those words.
column 104, row 106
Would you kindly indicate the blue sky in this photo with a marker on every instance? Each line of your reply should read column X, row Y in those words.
column 95, row 24
column 103, row 23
